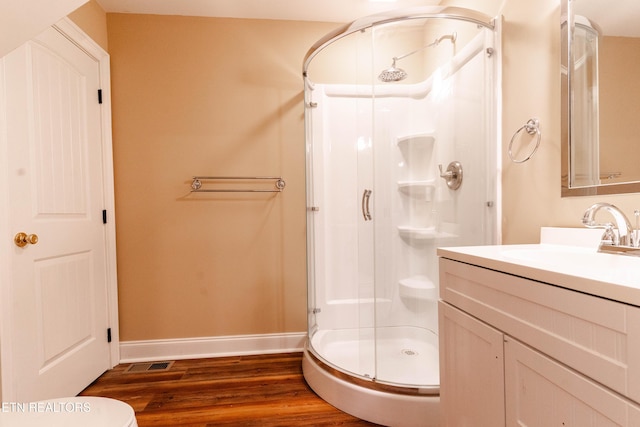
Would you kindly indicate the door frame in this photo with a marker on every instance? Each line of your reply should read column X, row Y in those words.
column 78, row 37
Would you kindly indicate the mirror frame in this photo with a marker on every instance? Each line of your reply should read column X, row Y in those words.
column 567, row 26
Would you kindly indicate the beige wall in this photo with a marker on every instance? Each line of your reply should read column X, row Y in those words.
column 224, row 97
column 93, row 21
column 619, row 64
column 531, row 87
column 221, row 97
column 23, row 20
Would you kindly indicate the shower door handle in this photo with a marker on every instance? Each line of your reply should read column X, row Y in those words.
column 366, row 197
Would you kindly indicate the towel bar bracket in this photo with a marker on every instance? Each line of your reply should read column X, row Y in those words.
column 197, row 183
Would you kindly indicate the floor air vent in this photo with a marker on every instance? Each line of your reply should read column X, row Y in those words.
column 149, row 367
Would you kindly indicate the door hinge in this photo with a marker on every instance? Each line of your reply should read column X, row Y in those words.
column 104, row 216
column 108, row 334
column 99, row 96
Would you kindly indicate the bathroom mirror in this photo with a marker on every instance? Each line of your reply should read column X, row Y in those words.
column 600, row 66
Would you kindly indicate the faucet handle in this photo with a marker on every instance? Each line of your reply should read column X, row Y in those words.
column 609, row 237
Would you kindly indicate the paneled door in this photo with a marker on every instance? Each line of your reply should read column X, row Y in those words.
column 58, row 313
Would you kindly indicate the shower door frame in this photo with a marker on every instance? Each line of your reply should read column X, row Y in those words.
column 445, row 12
column 355, row 203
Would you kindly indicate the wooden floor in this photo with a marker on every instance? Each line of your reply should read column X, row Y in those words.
column 264, row 390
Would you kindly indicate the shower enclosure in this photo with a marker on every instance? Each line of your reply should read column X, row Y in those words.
column 401, row 145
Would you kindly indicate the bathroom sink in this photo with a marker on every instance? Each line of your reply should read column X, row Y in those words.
column 566, row 257
column 578, row 261
column 553, row 254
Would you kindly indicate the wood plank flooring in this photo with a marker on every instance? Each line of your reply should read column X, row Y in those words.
column 263, row 390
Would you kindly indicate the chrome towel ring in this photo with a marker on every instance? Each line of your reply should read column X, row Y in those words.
column 533, row 128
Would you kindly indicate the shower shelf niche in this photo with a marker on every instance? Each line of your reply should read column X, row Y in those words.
column 418, row 287
column 422, row 233
column 419, row 188
column 422, row 140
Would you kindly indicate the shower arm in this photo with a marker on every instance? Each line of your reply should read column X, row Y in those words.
column 436, row 42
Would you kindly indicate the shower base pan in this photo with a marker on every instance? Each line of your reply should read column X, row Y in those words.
column 376, row 401
column 402, row 355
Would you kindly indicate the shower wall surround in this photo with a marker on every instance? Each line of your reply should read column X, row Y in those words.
column 379, row 203
column 418, row 129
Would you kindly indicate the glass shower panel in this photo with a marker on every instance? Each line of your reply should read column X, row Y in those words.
column 435, row 116
column 340, row 216
column 388, row 99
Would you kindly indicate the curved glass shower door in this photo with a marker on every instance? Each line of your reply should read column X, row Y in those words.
column 341, row 221
column 390, row 110
column 437, row 120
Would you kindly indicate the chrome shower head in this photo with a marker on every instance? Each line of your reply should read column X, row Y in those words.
column 395, row 74
column 392, row 74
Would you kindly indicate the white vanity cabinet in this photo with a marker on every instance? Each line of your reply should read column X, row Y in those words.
column 542, row 392
column 471, row 370
column 521, row 352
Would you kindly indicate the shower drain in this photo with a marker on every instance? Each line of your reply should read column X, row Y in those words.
column 409, row 352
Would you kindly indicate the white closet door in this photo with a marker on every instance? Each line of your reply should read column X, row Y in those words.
column 58, row 315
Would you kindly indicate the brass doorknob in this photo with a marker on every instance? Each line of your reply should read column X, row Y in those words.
column 23, row 239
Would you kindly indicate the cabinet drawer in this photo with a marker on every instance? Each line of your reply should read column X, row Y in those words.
column 597, row 337
column 533, row 381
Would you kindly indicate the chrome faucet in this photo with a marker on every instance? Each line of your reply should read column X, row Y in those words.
column 626, row 235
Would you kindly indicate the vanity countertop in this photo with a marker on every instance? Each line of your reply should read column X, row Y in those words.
column 616, row 277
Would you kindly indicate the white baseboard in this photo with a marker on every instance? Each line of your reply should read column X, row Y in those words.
column 196, row 348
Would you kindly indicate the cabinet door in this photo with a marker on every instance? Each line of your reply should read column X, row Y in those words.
column 471, row 371
column 540, row 392
column 598, row 337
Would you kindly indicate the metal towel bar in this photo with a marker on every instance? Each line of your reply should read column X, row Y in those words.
column 196, row 184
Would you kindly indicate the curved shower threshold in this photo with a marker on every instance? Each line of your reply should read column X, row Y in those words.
column 364, row 400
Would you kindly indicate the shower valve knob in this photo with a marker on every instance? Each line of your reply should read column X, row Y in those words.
column 447, row 174
column 453, row 175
